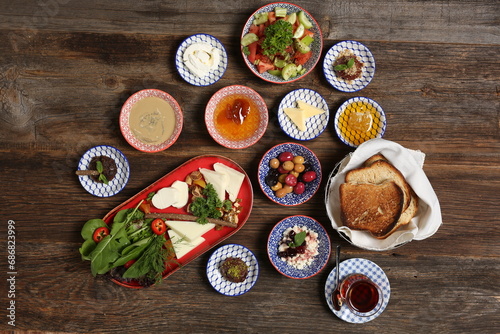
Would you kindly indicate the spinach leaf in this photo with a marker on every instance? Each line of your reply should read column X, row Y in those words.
column 151, row 262
column 90, row 226
column 133, row 251
column 87, row 248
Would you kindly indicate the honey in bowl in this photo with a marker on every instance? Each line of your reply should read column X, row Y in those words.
column 236, row 117
column 359, row 122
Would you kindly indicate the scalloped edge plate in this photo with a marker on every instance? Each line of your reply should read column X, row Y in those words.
column 119, row 181
column 219, row 283
column 232, row 90
column 357, row 266
column 316, row 46
column 211, row 77
column 315, row 125
column 319, row 261
column 309, row 157
column 125, row 115
column 360, row 50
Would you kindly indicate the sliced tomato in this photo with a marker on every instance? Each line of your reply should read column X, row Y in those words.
column 302, row 58
column 264, row 67
column 271, row 17
column 252, row 48
column 308, row 32
column 254, row 29
column 158, row 226
column 262, row 28
column 129, row 263
column 100, row 233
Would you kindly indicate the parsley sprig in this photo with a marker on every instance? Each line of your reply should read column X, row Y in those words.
column 278, row 37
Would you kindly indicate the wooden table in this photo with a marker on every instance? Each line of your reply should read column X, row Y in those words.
column 66, row 69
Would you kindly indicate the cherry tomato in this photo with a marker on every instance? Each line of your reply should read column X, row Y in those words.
column 309, row 176
column 100, row 233
column 158, row 226
column 285, row 156
column 129, row 263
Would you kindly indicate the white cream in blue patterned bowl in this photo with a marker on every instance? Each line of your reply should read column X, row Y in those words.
column 314, row 120
column 219, row 282
column 115, row 185
column 201, row 60
column 365, row 57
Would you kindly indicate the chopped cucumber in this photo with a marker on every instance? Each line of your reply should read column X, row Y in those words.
column 260, row 18
column 280, row 12
column 301, row 47
column 292, row 18
column 299, row 32
column 249, row 39
column 307, row 40
column 289, row 71
column 274, row 72
column 279, row 63
column 304, row 20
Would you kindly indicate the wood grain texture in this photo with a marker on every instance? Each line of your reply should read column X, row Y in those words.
column 68, row 66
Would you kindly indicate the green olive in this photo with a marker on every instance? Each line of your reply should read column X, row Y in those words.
column 274, row 163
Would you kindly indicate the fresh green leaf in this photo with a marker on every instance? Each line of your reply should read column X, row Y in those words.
column 103, row 179
column 343, row 67
column 207, row 206
column 133, row 251
column 99, row 166
column 150, row 196
column 90, row 226
column 87, row 248
column 245, row 50
column 151, row 262
column 298, row 239
column 350, row 63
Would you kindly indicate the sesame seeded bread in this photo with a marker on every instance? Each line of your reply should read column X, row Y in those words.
column 375, row 208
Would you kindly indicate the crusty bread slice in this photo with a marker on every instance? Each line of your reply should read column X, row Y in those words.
column 374, row 158
column 406, row 216
column 371, row 207
column 378, row 172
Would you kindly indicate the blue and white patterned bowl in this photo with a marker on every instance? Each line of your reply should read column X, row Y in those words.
column 316, row 45
column 355, row 140
column 315, row 125
column 291, row 199
column 319, row 261
column 359, row 50
column 221, row 284
column 213, row 76
column 119, row 181
column 358, row 266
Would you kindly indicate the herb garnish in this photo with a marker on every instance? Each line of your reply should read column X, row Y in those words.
column 278, row 37
column 100, row 169
column 298, row 239
column 208, row 206
column 343, row 67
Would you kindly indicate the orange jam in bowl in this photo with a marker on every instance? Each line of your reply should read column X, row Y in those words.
column 236, row 117
column 359, row 119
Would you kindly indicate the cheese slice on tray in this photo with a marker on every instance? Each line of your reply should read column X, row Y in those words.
column 182, row 246
column 235, row 179
column 218, row 180
column 190, row 231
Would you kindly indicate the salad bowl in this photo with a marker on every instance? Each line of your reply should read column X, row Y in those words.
column 263, row 64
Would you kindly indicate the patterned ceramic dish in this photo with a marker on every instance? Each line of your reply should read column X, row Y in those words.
column 315, row 125
column 117, row 183
column 291, row 199
column 319, row 262
column 358, row 266
column 316, row 45
column 353, row 137
column 125, row 119
column 248, row 93
column 213, row 76
column 221, row 284
column 359, row 50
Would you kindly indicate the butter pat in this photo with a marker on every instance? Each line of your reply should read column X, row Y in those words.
column 182, row 246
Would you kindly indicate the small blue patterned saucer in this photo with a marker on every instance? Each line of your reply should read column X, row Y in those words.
column 310, row 158
column 359, row 50
column 358, row 266
column 211, row 77
column 319, row 261
column 224, row 286
column 117, row 183
column 315, row 125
